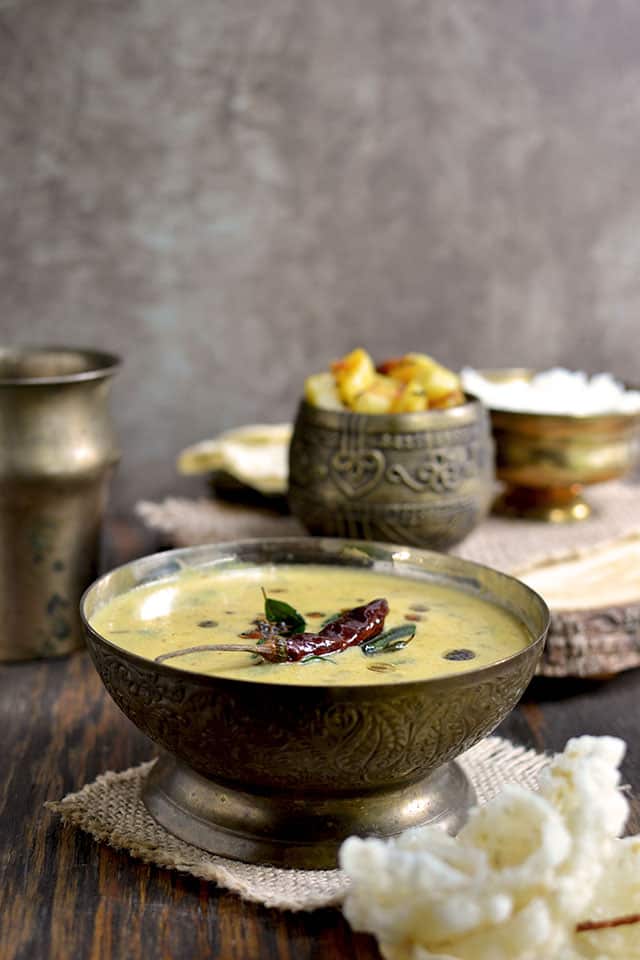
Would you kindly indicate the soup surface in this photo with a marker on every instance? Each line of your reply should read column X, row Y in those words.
column 454, row 630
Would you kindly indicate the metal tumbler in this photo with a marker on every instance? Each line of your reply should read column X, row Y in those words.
column 57, row 454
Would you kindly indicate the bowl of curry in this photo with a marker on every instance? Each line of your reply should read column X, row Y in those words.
column 308, row 689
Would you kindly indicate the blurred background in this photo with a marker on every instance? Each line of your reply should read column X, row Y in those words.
column 229, row 193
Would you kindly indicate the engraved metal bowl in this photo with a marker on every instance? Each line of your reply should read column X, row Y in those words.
column 420, row 478
column 281, row 774
column 545, row 460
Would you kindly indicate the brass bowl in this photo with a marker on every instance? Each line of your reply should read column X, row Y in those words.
column 281, row 774
column 420, row 478
column 546, row 459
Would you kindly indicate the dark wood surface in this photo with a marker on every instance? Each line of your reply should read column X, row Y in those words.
column 65, row 897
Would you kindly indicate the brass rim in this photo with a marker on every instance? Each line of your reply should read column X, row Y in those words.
column 91, row 365
column 469, row 678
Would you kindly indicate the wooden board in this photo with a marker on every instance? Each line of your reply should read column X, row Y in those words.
column 594, row 598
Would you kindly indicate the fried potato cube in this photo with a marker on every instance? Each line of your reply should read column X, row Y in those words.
column 411, row 397
column 403, row 369
column 453, row 399
column 379, row 397
column 354, row 373
column 442, row 385
column 439, row 381
column 321, row 391
column 413, row 382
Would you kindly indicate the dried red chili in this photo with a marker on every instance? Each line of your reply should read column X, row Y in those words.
column 350, row 629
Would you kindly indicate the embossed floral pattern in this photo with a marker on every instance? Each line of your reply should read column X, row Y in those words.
column 426, row 486
column 328, row 740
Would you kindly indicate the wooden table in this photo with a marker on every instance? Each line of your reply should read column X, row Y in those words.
column 65, row 897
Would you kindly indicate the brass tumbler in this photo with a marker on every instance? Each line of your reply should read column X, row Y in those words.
column 57, row 453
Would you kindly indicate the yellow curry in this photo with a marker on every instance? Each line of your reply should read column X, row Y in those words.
column 455, row 631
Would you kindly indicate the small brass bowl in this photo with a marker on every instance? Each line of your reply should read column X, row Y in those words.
column 281, row 774
column 546, row 459
column 420, row 478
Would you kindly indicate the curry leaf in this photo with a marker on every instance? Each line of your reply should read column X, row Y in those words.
column 389, row 640
column 277, row 611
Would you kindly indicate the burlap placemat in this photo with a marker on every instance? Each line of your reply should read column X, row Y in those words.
column 506, row 544
column 112, row 811
column 187, row 523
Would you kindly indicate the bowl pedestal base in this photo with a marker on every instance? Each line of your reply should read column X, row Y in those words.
column 288, row 830
column 549, row 504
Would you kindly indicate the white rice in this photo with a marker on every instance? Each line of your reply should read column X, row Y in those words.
column 556, row 391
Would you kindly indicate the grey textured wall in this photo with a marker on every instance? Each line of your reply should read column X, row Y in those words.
column 230, row 192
